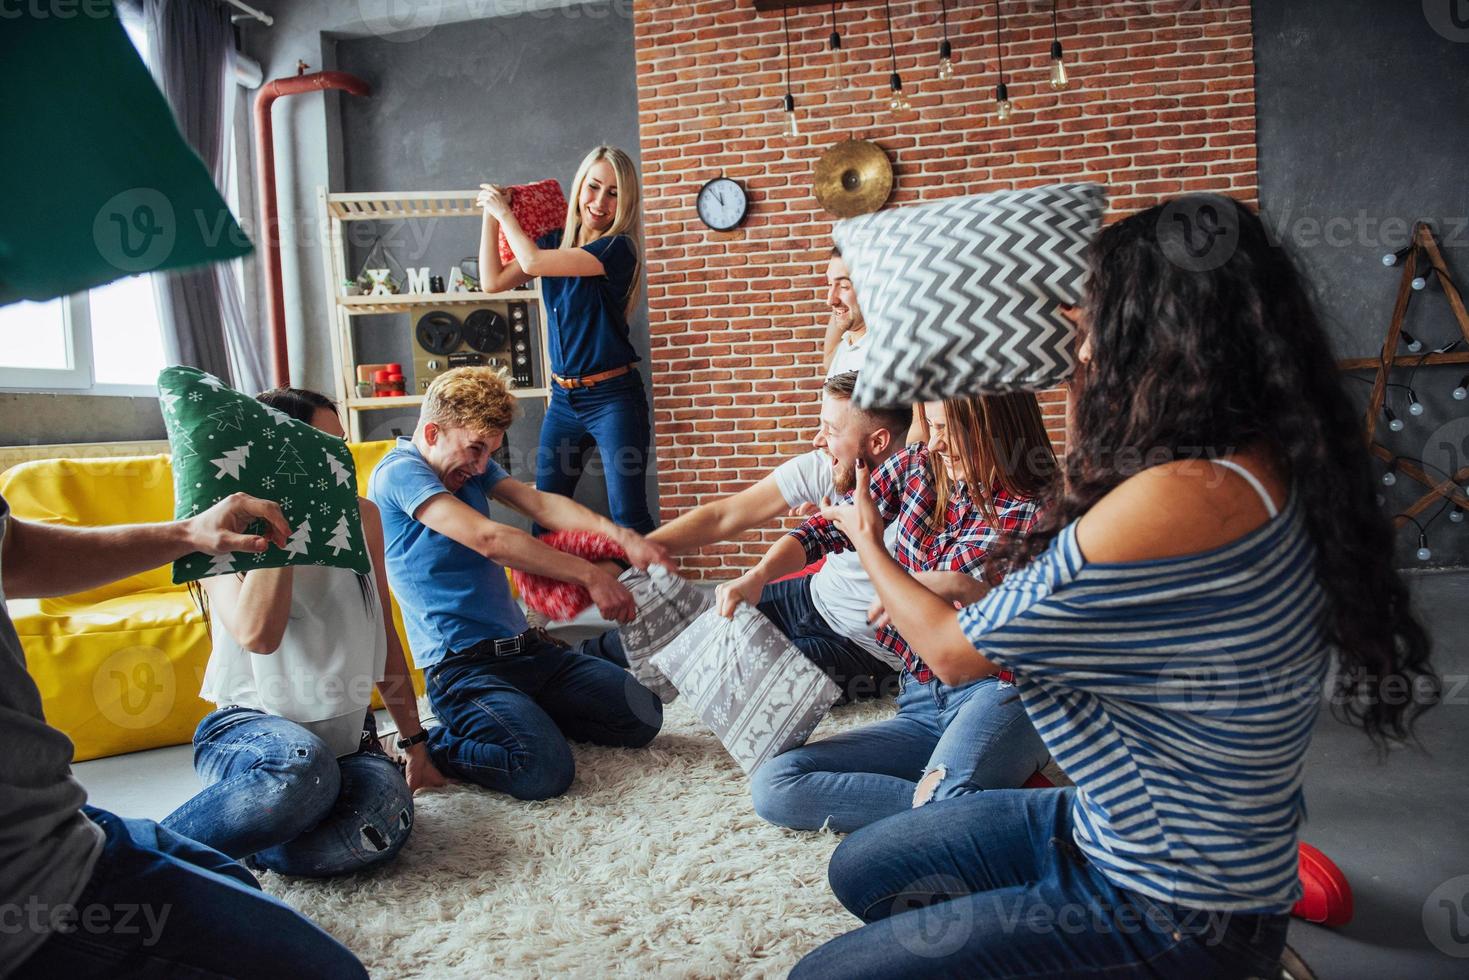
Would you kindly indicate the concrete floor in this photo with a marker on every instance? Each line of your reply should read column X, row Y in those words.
column 1398, row 827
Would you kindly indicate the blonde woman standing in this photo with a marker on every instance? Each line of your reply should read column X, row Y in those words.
column 589, row 273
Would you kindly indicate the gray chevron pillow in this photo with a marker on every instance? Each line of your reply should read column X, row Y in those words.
column 757, row 692
column 963, row 296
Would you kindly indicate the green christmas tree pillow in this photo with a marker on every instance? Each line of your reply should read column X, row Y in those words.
column 224, row 442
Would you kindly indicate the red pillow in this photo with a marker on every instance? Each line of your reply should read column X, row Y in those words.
column 564, row 600
column 539, row 207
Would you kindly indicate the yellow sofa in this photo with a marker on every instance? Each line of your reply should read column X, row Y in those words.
column 119, row 667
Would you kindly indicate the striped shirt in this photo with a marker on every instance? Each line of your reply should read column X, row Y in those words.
column 1180, row 695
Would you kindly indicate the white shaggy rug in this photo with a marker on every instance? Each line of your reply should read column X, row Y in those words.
column 654, row 864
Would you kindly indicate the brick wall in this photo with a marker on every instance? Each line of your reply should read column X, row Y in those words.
column 1162, row 101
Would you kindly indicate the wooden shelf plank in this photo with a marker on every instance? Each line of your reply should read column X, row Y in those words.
column 413, row 401
column 1413, row 360
column 399, row 302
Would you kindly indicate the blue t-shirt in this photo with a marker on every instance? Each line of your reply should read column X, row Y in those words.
column 587, row 329
column 452, row 597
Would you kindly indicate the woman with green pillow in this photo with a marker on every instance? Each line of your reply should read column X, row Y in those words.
column 295, row 779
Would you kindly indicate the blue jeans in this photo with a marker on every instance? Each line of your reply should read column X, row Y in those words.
column 613, row 417
column 992, row 885
column 161, row 905
column 857, row 672
column 274, row 794
column 973, row 737
column 505, row 720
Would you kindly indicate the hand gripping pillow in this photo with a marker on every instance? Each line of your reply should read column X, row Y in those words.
column 963, row 296
column 755, row 690
column 667, row 604
column 557, row 599
column 539, row 207
column 224, row 442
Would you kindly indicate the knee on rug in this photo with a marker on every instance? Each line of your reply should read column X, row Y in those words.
column 772, row 788
column 379, row 808
column 542, row 774
column 644, row 718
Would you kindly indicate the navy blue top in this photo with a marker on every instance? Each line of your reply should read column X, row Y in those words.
column 587, row 330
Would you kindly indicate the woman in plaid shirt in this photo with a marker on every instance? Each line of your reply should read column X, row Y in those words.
column 986, row 468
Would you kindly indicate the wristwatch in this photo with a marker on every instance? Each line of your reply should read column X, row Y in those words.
column 412, row 740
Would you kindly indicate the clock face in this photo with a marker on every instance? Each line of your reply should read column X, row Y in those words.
column 722, row 204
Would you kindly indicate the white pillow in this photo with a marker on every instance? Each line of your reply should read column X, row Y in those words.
column 757, row 692
column 666, row 605
column 963, row 296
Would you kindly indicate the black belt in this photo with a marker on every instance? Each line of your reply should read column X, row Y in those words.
column 509, row 646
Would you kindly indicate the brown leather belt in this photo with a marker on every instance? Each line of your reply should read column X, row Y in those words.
column 591, row 380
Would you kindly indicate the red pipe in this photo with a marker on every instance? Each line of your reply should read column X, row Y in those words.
column 270, row 232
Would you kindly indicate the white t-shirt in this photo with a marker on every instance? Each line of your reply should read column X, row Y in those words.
column 321, row 677
column 840, row 590
column 849, row 354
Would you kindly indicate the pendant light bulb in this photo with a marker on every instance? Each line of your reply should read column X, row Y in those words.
column 788, row 104
column 1060, row 80
column 838, row 60
column 946, row 61
column 1004, row 108
column 899, row 101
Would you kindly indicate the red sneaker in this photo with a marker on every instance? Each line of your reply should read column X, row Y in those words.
column 1037, row 780
column 1327, row 897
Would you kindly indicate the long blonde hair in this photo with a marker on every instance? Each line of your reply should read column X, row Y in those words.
column 628, row 219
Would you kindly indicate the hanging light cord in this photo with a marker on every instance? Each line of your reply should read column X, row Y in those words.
column 999, row 55
column 1055, row 32
column 786, row 23
column 892, row 51
column 944, row 16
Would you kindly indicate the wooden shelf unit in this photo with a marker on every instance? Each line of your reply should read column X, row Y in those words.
column 338, row 209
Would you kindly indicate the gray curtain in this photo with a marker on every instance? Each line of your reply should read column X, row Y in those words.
column 193, row 48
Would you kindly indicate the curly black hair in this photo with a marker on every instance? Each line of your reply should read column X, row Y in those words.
column 1204, row 341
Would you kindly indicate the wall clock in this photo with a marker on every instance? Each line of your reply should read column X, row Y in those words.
column 722, row 204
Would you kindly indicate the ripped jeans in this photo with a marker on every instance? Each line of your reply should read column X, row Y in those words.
column 967, row 738
column 277, row 798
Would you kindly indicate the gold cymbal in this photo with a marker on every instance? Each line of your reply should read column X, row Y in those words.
column 853, row 177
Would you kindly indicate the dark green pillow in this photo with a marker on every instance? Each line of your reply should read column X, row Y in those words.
column 101, row 183
column 224, row 442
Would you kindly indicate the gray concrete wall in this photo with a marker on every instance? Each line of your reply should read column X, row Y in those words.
column 462, row 92
column 1362, row 113
column 45, row 419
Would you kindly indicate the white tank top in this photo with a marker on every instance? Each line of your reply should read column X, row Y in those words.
column 323, row 673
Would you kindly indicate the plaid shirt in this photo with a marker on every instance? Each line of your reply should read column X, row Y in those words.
column 905, row 493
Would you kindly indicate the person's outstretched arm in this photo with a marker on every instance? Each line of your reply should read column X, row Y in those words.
column 785, row 557
column 722, row 519
column 559, row 513
column 43, row 560
column 514, row 548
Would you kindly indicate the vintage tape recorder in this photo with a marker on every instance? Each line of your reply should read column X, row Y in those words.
column 495, row 334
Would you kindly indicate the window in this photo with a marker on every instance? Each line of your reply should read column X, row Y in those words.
column 106, row 341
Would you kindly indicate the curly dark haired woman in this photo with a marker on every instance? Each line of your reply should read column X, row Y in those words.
column 1170, row 623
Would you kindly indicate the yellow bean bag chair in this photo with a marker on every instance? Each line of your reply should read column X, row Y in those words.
column 120, row 666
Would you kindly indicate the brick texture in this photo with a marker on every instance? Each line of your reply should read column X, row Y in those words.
column 1162, row 102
